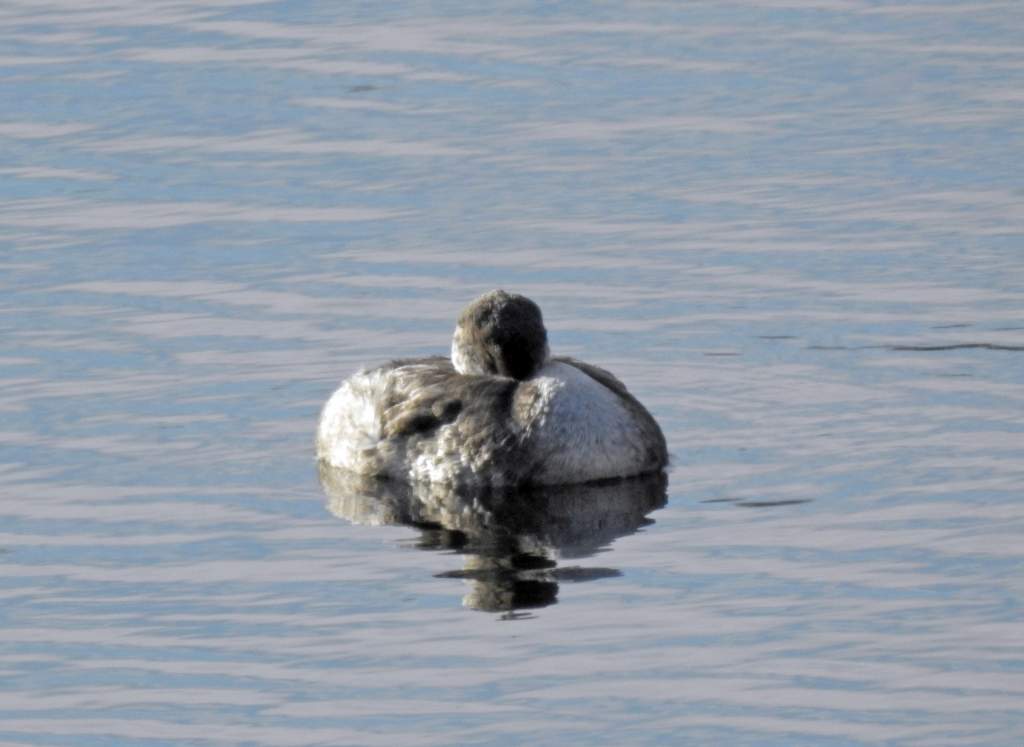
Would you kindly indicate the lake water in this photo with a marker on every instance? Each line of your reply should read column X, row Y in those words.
column 794, row 229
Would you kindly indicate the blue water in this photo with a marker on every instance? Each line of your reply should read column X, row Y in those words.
column 794, row 229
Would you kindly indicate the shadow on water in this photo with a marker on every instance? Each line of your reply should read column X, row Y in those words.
column 511, row 540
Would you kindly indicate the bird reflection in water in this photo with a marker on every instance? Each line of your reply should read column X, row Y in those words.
column 511, row 540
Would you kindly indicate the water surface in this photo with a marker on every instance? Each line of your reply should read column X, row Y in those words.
column 793, row 229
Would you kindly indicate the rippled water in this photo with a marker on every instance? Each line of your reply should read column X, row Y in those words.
column 793, row 228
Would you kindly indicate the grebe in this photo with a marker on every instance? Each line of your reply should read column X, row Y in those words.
column 500, row 412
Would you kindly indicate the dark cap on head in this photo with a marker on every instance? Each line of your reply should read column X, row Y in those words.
column 500, row 334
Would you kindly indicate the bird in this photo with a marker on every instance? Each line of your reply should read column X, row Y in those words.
column 499, row 412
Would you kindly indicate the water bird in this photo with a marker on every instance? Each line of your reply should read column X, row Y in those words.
column 500, row 412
